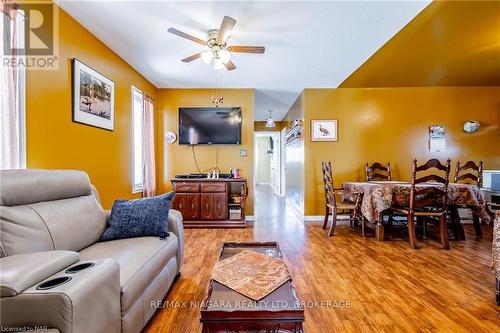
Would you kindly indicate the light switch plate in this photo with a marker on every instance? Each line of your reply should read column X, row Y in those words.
column 243, row 153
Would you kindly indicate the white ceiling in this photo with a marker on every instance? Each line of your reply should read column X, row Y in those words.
column 309, row 44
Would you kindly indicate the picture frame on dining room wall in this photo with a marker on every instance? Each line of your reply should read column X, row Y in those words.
column 93, row 97
column 324, row 130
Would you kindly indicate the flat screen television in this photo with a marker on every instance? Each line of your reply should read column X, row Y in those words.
column 212, row 126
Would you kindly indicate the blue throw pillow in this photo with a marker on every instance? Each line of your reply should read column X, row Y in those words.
column 138, row 218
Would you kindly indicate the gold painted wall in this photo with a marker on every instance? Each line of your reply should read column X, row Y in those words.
column 450, row 43
column 260, row 126
column 55, row 142
column 391, row 124
column 178, row 159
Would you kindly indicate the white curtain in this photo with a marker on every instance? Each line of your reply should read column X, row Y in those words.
column 9, row 104
column 149, row 188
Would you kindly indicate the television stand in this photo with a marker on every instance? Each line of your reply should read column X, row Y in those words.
column 206, row 203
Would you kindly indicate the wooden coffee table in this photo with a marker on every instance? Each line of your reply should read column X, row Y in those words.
column 226, row 311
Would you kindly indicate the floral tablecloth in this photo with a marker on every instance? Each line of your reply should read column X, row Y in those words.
column 379, row 196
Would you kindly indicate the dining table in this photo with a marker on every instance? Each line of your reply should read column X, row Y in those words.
column 379, row 196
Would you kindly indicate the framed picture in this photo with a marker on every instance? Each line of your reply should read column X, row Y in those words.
column 93, row 97
column 324, row 130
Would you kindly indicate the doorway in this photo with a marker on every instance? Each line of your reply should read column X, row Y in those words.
column 268, row 161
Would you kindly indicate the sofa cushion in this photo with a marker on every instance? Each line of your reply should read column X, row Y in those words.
column 21, row 187
column 22, row 230
column 141, row 260
column 139, row 218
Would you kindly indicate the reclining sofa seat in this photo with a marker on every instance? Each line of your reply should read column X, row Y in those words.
column 53, row 219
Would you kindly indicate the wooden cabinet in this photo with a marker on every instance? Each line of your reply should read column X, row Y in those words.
column 214, row 206
column 205, row 203
column 188, row 204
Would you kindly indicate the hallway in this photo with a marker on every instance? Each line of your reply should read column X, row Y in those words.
column 272, row 215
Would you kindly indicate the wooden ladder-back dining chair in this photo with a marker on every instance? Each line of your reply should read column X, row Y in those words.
column 335, row 199
column 377, row 171
column 469, row 173
column 430, row 200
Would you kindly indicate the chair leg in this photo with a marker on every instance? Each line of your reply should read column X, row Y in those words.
column 497, row 282
column 354, row 215
column 424, row 228
column 334, row 222
column 389, row 223
column 443, row 227
column 412, row 237
column 325, row 220
column 477, row 225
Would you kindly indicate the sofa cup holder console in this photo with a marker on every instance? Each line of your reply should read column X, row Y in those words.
column 50, row 284
column 79, row 267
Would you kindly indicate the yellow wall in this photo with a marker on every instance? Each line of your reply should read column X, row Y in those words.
column 450, row 43
column 391, row 124
column 54, row 141
column 260, row 126
column 175, row 159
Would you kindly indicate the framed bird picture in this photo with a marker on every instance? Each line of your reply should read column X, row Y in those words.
column 93, row 97
column 324, row 130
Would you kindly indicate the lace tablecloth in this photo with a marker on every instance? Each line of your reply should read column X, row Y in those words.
column 379, row 196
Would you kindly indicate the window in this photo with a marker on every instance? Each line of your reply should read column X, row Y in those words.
column 138, row 140
column 12, row 103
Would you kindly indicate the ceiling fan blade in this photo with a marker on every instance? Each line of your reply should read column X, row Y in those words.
column 226, row 28
column 191, row 58
column 246, row 49
column 187, row 36
column 230, row 66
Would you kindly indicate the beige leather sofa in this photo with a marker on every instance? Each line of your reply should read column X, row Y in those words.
column 55, row 274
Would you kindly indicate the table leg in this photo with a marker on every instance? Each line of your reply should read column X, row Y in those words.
column 458, row 228
column 379, row 228
column 477, row 225
column 379, row 231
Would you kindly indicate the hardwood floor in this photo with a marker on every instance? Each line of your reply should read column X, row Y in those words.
column 389, row 286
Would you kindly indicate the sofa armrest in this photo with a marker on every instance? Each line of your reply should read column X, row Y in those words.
column 87, row 301
column 21, row 271
column 176, row 227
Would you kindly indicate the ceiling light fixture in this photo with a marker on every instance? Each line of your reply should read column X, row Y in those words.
column 218, row 64
column 224, row 55
column 218, row 50
column 270, row 121
column 207, row 56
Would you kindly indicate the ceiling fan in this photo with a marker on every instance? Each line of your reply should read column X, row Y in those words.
column 218, row 50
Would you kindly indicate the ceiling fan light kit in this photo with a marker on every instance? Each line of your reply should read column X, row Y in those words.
column 218, row 51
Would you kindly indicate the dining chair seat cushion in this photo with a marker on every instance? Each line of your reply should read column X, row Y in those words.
column 345, row 206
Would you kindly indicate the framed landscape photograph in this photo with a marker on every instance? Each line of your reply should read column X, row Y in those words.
column 93, row 97
column 324, row 130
